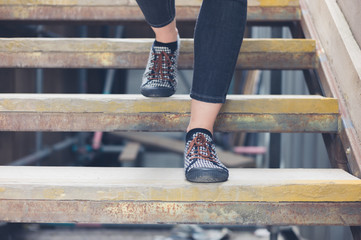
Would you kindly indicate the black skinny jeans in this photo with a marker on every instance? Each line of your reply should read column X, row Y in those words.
column 217, row 40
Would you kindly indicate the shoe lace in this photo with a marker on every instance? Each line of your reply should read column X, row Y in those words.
column 161, row 62
column 199, row 142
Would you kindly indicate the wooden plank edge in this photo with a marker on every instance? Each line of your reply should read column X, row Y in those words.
column 350, row 137
column 245, row 213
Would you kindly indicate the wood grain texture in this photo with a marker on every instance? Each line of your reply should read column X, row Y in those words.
column 77, row 112
column 128, row 10
column 133, row 53
column 162, row 195
column 229, row 213
column 134, row 103
column 169, row 184
column 339, row 69
column 352, row 11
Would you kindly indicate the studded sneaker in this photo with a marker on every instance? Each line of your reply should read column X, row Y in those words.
column 159, row 78
column 201, row 163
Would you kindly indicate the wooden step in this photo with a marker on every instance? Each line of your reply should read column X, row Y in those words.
column 87, row 112
column 161, row 195
column 128, row 10
column 133, row 53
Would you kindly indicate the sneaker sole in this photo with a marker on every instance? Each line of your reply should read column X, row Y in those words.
column 207, row 175
column 157, row 92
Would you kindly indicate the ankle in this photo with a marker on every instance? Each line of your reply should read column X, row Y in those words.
column 168, row 36
column 191, row 127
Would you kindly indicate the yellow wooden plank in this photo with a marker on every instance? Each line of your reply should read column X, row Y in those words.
column 251, row 113
column 274, row 3
column 161, row 184
column 128, row 10
column 92, row 103
column 68, row 2
column 137, row 45
column 263, row 3
column 158, row 212
column 133, row 53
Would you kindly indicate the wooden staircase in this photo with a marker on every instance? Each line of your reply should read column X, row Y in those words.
column 146, row 195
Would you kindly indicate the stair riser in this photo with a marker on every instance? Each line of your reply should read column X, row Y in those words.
column 251, row 113
column 240, row 213
column 163, row 122
column 112, row 11
column 139, row 61
column 133, row 53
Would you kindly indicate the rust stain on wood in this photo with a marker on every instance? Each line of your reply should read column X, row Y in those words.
column 86, row 10
column 132, row 53
column 245, row 213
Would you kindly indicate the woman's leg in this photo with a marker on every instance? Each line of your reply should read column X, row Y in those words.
column 159, row 78
column 166, row 34
column 217, row 41
column 203, row 115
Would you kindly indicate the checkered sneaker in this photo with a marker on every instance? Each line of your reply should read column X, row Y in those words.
column 201, row 163
column 159, row 78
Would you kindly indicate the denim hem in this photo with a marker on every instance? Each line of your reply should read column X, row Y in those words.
column 207, row 99
column 161, row 25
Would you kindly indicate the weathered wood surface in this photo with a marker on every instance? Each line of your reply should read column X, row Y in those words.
column 169, row 184
column 87, row 112
column 177, row 146
column 339, row 69
column 128, row 10
column 234, row 213
column 150, row 195
column 133, row 53
column 352, row 12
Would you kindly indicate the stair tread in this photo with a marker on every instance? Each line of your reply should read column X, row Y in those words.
column 121, row 10
column 133, row 53
column 168, row 184
column 161, row 195
column 135, row 103
column 87, row 112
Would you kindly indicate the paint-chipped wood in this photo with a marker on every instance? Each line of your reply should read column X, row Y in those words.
column 127, row 10
column 133, row 53
column 162, row 195
column 86, row 112
column 169, row 184
column 228, row 213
